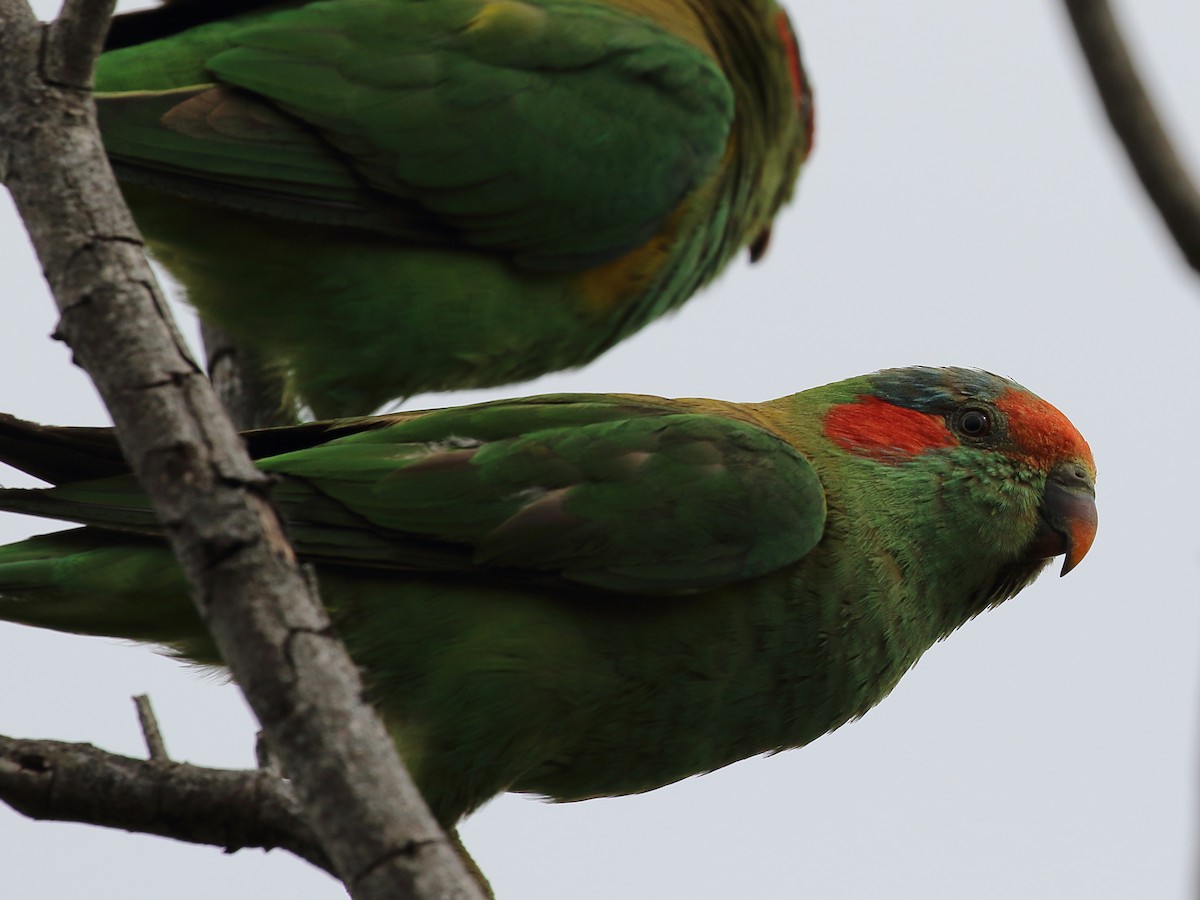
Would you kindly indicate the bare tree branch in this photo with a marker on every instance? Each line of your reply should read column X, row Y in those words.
column 214, row 505
column 1137, row 124
column 75, row 40
column 55, row 781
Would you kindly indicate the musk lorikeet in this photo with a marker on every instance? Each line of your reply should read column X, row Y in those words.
column 592, row 595
column 387, row 197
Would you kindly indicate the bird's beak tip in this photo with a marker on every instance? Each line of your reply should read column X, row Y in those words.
column 1080, row 533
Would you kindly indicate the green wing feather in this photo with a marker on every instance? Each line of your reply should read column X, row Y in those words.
column 628, row 495
column 562, row 132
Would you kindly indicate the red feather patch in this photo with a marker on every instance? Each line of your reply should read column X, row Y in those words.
column 800, row 91
column 874, row 427
column 1040, row 433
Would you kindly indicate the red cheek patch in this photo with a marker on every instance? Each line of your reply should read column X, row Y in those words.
column 876, row 428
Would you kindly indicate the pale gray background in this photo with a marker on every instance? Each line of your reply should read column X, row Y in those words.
column 965, row 205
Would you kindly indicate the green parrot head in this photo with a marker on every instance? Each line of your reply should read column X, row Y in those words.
column 991, row 480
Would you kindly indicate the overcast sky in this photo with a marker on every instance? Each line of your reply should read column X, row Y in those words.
column 965, row 205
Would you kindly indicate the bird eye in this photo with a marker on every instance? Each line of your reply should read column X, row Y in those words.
column 974, row 423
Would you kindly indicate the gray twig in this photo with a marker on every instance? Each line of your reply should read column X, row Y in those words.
column 54, row 781
column 263, row 755
column 75, row 39
column 1137, row 124
column 155, row 746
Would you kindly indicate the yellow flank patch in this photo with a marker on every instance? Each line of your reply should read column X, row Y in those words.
column 611, row 286
column 508, row 16
column 677, row 17
column 760, row 415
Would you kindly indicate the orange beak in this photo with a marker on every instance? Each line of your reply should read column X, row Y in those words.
column 1068, row 514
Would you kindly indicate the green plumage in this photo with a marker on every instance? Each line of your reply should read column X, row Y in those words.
column 394, row 196
column 583, row 595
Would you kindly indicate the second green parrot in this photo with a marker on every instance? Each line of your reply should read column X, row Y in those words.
column 582, row 596
column 394, row 196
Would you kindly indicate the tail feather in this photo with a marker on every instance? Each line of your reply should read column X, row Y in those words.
column 114, row 578
column 60, row 455
column 64, row 455
column 172, row 17
column 92, row 482
column 85, row 581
